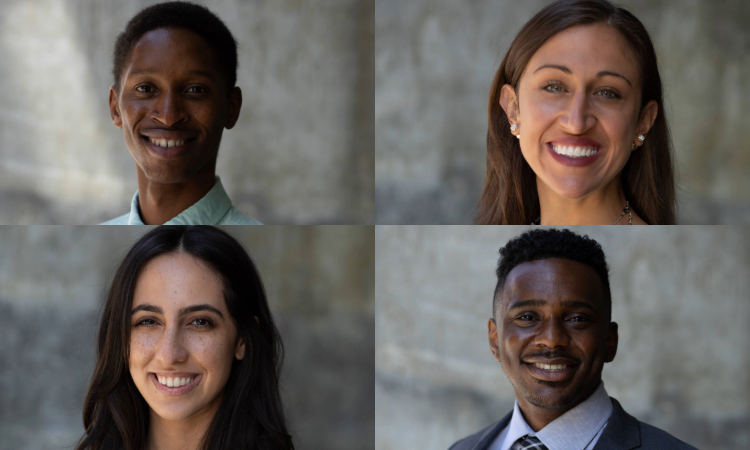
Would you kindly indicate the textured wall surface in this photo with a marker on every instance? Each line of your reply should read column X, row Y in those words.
column 301, row 152
column 435, row 61
column 320, row 286
column 680, row 296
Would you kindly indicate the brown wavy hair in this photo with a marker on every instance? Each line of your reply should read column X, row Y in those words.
column 251, row 415
column 509, row 195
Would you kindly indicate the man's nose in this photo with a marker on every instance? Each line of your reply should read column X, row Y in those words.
column 551, row 334
column 169, row 109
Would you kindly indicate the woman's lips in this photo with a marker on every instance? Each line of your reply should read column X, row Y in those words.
column 172, row 390
column 574, row 162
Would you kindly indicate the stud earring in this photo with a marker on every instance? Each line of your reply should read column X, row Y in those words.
column 513, row 127
column 641, row 138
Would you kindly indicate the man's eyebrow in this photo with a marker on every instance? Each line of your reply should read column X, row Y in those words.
column 195, row 73
column 569, row 72
column 181, row 312
column 536, row 303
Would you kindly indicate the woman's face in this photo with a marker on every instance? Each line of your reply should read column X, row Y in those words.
column 181, row 330
column 578, row 109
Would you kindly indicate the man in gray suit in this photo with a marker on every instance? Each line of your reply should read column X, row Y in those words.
column 552, row 332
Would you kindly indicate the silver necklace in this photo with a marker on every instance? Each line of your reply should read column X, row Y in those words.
column 625, row 210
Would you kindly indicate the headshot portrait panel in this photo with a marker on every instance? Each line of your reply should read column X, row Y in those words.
column 246, row 112
column 562, row 112
column 149, row 338
column 464, row 333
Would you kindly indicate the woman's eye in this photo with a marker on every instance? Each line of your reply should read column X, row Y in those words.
column 608, row 94
column 146, row 323
column 554, row 88
column 202, row 323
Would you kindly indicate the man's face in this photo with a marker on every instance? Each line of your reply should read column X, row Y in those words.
column 551, row 334
column 172, row 105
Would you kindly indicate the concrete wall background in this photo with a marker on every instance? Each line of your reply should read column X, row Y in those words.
column 680, row 295
column 435, row 61
column 301, row 152
column 320, row 286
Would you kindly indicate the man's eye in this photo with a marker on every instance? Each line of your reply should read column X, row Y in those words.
column 526, row 317
column 579, row 319
column 144, row 89
column 196, row 90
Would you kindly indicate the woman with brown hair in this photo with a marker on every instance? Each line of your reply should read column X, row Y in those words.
column 577, row 132
column 188, row 356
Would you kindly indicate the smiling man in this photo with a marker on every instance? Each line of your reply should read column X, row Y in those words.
column 175, row 68
column 552, row 332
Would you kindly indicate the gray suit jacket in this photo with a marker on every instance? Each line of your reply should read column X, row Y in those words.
column 623, row 432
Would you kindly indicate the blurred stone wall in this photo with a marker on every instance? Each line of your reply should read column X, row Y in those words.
column 681, row 296
column 320, row 286
column 435, row 61
column 302, row 151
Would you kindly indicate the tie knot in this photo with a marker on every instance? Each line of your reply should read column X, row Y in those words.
column 530, row 442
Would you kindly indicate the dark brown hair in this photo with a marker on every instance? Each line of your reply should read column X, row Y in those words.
column 250, row 416
column 509, row 195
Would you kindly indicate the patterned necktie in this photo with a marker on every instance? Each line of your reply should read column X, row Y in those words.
column 530, row 442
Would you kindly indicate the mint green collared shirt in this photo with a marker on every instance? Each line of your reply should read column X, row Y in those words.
column 214, row 208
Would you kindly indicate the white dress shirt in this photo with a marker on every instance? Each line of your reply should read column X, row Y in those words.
column 577, row 429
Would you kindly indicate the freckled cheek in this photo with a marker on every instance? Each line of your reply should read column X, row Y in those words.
column 141, row 349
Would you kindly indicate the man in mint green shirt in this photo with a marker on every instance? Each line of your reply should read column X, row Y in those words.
column 175, row 69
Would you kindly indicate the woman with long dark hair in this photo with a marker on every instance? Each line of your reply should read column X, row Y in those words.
column 188, row 356
column 577, row 132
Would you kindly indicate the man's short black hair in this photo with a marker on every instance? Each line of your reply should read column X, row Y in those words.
column 195, row 18
column 552, row 243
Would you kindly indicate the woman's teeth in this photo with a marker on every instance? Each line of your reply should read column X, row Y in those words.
column 549, row 367
column 575, row 152
column 166, row 143
column 174, row 382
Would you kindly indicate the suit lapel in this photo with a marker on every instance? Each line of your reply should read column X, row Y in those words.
column 492, row 432
column 622, row 431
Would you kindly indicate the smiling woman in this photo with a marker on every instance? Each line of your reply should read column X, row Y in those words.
column 577, row 132
column 188, row 354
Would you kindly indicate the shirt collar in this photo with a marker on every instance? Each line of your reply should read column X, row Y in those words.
column 573, row 430
column 209, row 210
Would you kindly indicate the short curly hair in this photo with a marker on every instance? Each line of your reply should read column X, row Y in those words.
column 195, row 18
column 552, row 243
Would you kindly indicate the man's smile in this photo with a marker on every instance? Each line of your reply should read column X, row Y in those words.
column 167, row 144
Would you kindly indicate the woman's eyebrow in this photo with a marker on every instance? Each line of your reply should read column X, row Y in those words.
column 569, row 72
column 181, row 312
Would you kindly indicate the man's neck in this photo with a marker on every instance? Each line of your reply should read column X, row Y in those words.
column 538, row 418
column 160, row 202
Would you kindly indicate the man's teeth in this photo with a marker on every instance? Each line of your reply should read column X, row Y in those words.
column 575, row 152
column 174, row 382
column 166, row 143
column 552, row 367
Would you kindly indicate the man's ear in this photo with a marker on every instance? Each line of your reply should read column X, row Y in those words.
column 235, row 103
column 492, row 336
column 612, row 340
column 114, row 108
column 509, row 103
